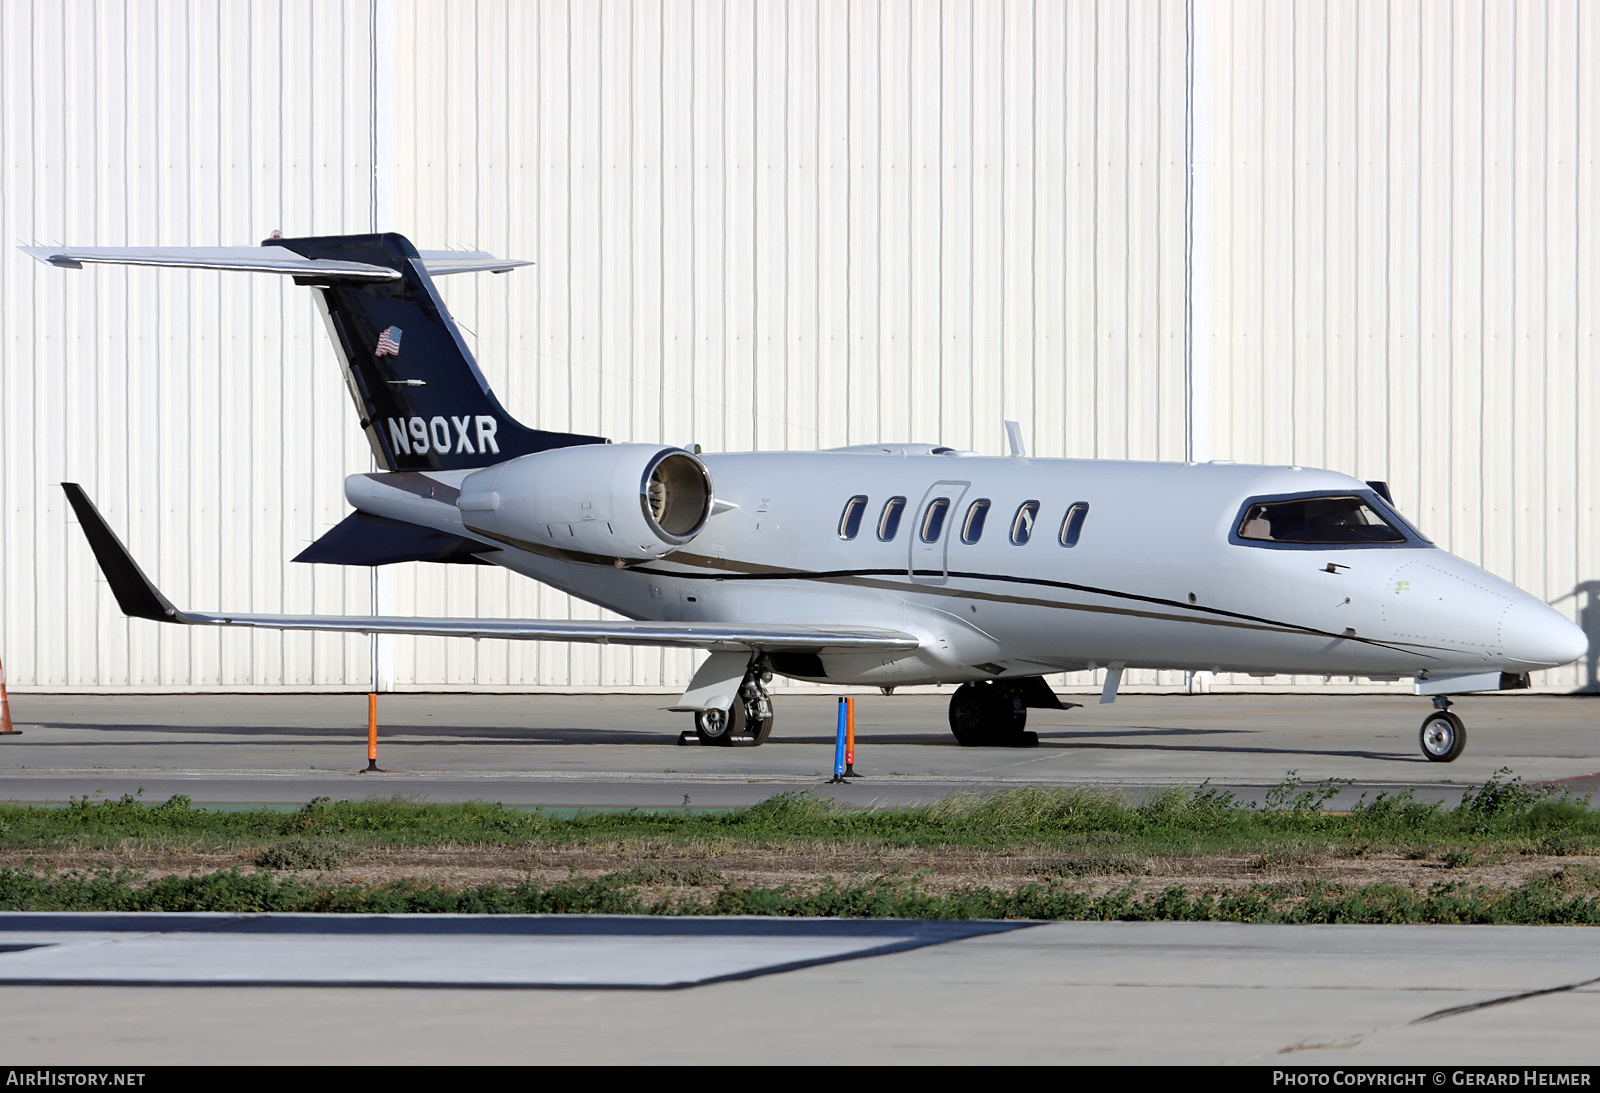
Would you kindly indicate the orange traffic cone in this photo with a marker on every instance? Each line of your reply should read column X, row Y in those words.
column 6, row 728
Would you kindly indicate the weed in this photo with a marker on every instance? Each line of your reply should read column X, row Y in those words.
column 1558, row 844
column 1031, row 808
column 1293, row 796
column 299, row 852
column 1185, row 808
column 1576, row 878
column 1279, row 857
column 790, row 810
column 1500, row 802
column 1088, row 863
column 676, row 874
column 313, row 816
column 1395, row 812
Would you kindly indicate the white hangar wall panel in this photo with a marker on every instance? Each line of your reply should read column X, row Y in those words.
column 785, row 224
column 1405, row 224
column 803, row 224
column 204, row 413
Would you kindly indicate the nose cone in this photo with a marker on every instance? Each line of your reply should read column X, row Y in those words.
column 1539, row 636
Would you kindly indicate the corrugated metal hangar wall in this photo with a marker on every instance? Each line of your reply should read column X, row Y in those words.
column 785, row 224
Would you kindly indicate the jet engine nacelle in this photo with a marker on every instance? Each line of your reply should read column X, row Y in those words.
column 629, row 502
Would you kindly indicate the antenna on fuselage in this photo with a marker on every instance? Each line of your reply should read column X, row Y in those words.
column 1014, row 439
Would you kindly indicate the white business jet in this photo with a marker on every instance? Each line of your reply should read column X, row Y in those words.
column 886, row 564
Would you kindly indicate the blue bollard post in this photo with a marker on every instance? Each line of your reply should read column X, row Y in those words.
column 838, row 749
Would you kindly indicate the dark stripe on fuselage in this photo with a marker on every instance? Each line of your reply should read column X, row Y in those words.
column 730, row 569
column 872, row 578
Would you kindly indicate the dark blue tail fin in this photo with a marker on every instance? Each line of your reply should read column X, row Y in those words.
column 423, row 402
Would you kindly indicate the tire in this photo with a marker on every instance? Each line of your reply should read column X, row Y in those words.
column 719, row 727
column 967, row 723
column 988, row 715
column 759, row 730
column 1443, row 737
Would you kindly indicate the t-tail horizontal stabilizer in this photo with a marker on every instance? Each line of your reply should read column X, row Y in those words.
column 137, row 596
column 422, row 400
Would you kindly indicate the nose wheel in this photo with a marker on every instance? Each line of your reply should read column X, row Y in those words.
column 1443, row 735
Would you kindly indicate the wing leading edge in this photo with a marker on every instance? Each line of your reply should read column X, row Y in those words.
column 138, row 596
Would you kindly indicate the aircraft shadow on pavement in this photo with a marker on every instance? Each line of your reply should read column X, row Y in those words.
column 1338, row 753
column 544, row 736
column 1079, row 740
column 941, row 738
column 432, row 735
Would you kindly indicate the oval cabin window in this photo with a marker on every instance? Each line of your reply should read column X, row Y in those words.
column 972, row 528
column 1022, row 522
column 850, row 518
column 1072, row 524
column 889, row 522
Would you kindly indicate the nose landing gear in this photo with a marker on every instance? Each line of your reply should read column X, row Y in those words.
column 1444, row 735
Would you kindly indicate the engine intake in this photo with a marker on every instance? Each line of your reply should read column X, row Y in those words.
column 603, row 501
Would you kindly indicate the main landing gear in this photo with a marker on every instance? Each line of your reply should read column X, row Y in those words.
column 747, row 723
column 994, row 713
column 1443, row 736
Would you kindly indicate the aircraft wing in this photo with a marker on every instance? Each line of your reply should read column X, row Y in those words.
column 139, row 597
column 268, row 260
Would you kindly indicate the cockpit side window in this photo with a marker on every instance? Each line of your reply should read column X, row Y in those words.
column 1331, row 520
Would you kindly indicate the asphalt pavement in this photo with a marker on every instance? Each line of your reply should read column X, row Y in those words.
column 440, row 989
column 622, row 750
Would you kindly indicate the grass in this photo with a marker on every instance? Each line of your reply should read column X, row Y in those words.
column 1548, row 900
column 1503, row 813
column 1086, row 832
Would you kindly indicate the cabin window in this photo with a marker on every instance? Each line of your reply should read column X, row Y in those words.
column 1323, row 521
column 972, row 527
column 850, row 518
column 889, row 522
column 933, row 520
column 1022, row 522
column 1072, row 524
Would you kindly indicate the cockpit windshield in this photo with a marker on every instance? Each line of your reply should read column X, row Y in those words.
column 1319, row 521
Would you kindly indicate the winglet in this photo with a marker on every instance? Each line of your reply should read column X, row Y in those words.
column 136, row 595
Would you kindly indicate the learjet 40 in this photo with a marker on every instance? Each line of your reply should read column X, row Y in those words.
column 887, row 565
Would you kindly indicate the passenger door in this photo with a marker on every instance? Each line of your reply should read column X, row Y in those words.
column 929, row 561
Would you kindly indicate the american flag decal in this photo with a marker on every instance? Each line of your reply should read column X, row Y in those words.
column 388, row 343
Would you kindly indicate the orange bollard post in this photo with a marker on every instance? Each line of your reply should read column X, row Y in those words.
column 850, row 738
column 372, row 732
column 6, row 728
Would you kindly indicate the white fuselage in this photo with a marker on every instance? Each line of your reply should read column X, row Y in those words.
column 1158, row 576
